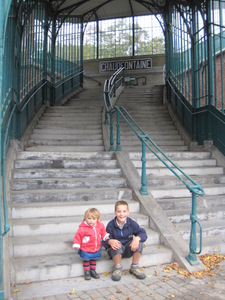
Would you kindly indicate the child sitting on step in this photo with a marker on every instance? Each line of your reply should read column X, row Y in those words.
column 126, row 240
column 88, row 240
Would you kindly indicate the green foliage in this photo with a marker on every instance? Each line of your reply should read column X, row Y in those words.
column 116, row 40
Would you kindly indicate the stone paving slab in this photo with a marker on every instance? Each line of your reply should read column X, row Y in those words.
column 157, row 286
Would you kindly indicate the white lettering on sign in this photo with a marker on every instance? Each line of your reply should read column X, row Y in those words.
column 140, row 64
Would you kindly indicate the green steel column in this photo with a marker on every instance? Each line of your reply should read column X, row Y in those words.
column 4, row 10
column 195, row 60
column 143, row 189
column 82, row 53
column 111, row 131
column 195, row 73
column 97, row 54
column 52, row 93
column 118, row 147
column 45, row 51
column 1, row 100
column 192, row 257
column 169, row 40
column 210, row 56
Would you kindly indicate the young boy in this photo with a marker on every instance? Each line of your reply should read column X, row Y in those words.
column 126, row 240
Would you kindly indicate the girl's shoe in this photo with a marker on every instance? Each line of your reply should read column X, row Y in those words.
column 87, row 275
column 94, row 274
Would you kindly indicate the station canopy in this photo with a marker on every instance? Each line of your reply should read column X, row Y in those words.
column 92, row 10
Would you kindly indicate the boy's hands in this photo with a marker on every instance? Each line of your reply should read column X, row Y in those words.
column 135, row 243
column 115, row 244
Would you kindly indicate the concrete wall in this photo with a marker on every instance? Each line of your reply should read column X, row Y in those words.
column 147, row 76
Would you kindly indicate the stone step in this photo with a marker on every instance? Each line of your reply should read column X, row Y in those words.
column 65, row 148
column 65, row 155
column 62, row 225
column 204, row 202
column 78, row 194
column 68, row 127
column 154, row 181
column 209, row 228
column 182, row 163
column 163, row 148
column 65, row 209
column 57, row 244
column 66, row 173
column 66, row 137
column 68, row 109
column 159, row 142
column 190, row 155
column 154, row 136
column 69, row 183
column 46, row 267
column 65, row 164
column 189, row 171
column 183, row 215
column 66, row 132
column 70, row 124
column 148, row 122
column 213, row 244
column 56, row 142
column 179, row 192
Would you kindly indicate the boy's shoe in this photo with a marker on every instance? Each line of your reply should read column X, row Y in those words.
column 87, row 275
column 94, row 274
column 134, row 269
column 117, row 273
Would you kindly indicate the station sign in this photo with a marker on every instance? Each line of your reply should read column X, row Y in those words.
column 132, row 64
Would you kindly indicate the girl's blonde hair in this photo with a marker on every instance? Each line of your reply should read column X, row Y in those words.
column 93, row 212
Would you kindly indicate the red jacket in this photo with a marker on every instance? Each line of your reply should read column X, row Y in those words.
column 88, row 238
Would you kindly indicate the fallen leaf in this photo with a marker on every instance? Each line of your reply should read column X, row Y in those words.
column 73, row 292
column 106, row 273
column 167, row 271
column 149, row 276
column 172, row 296
column 16, row 291
column 157, row 274
column 29, row 282
column 142, row 269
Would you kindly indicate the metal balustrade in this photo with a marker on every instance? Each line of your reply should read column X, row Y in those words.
column 110, row 88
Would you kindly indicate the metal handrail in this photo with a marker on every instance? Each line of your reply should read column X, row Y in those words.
column 191, row 185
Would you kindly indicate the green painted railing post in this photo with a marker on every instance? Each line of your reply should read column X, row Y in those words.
column 143, row 188
column 106, row 118
column 111, row 131
column 192, row 256
column 118, row 147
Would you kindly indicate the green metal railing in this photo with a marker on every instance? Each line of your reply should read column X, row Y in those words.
column 194, row 188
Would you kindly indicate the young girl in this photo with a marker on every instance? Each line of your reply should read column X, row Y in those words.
column 88, row 240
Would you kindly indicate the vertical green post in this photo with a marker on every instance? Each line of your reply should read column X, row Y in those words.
column 192, row 257
column 53, row 60
column 118, row 147
column 82, row 53
column 111, row 131
column 1, row 99
column 143, row 188
column 45, row 46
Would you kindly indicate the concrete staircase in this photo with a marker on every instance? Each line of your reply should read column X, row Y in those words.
column 75, row 126
column 62, row 172
column 145, row 105
column 170, row 192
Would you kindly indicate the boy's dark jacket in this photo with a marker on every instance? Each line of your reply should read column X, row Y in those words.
column 130, row 229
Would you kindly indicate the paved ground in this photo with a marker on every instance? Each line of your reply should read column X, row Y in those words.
column 157, row 286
